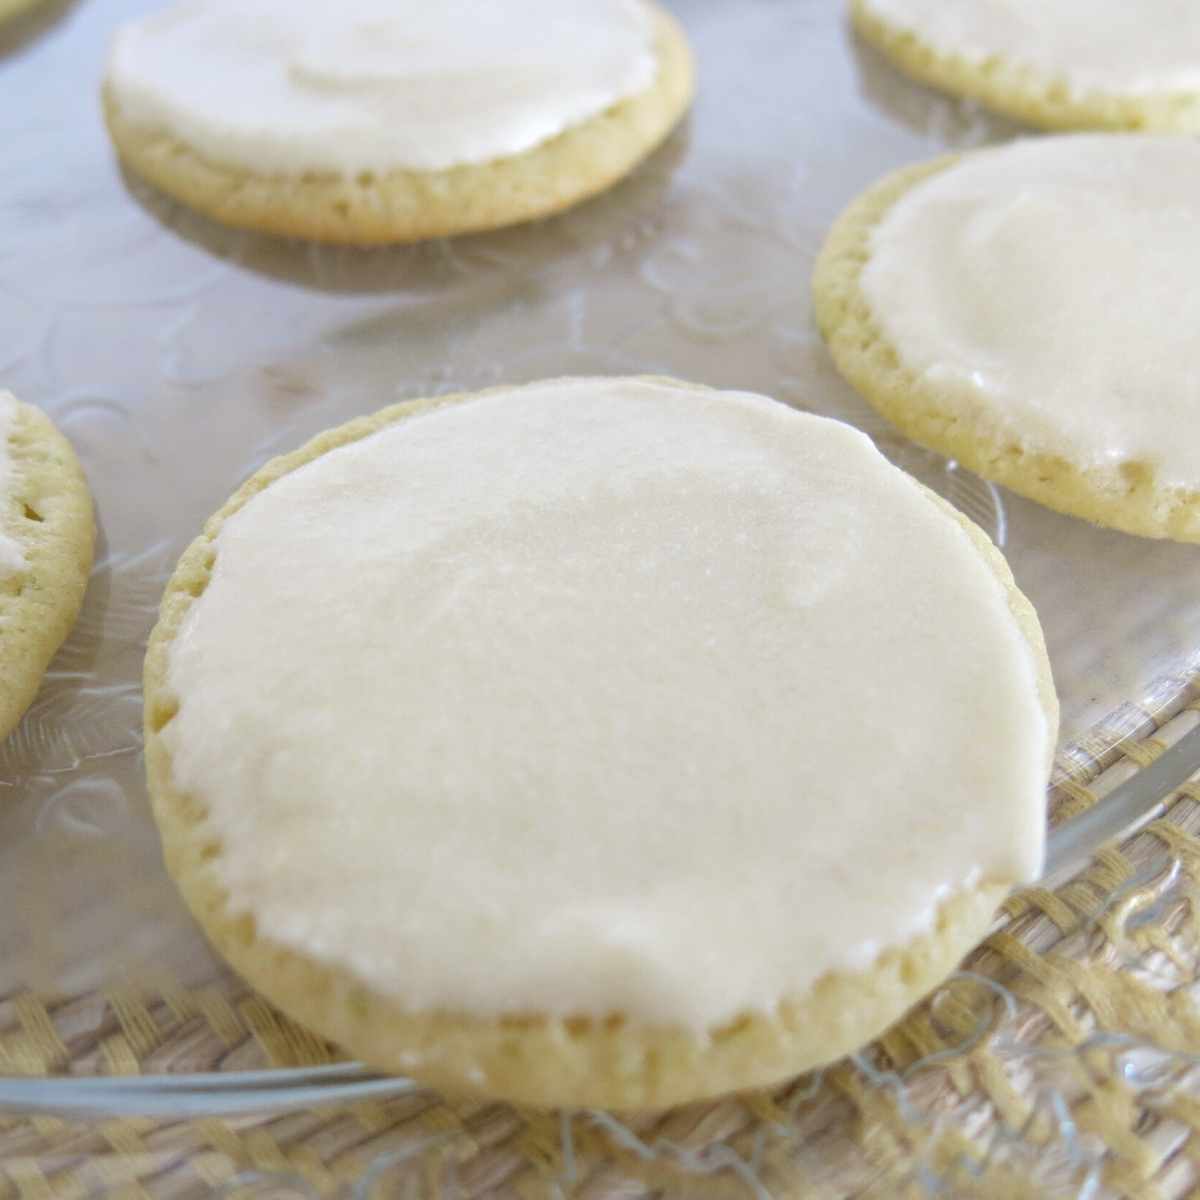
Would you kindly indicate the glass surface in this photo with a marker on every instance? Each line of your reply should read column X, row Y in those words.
column 179, row 356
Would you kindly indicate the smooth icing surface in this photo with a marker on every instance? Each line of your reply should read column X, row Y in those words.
column 1134, row 47
column 1047, row 288
column 12, row 560
column 376, row 85
column 604, row 695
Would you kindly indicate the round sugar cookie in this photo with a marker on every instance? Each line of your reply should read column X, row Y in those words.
column 1062, row 64
column 46, row 539
column 382, row 121
column 606, row 742
column 1028, row 310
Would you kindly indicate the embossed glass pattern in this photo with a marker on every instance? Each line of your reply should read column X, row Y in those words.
column 179, row 357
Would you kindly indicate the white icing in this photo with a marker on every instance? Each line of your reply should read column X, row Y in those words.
column 12, row 559
column 375, row 85
column 604, row 695
column 1135, row 47
column 1047, row 288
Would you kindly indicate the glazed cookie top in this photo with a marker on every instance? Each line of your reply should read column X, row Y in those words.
column 603, row 696
column 1109, row 46
column 1045, row 287
column 276, row 86
column 12, row 559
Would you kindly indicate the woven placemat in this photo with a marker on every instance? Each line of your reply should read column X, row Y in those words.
column 1062, row 1060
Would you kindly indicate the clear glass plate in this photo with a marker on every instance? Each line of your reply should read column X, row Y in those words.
column 179, row 356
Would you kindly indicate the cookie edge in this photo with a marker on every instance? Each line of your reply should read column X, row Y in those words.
column 42, row 603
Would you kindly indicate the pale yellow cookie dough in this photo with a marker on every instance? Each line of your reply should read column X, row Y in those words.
column 1023, row 91
column 410, row 205
column 1124, row 495
column 14, row 8
column 536, row 1058
column 47, row 512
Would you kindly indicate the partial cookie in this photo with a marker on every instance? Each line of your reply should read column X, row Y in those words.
column 1060, row 64
column 13, row 8
column 393, row 120
column 1030, row 311
column 46, row 538
column 596, row 742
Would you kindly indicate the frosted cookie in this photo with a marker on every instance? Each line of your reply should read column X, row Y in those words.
column 1030, row 311
column 1060, row 64
column 597, row 742
column 392, row 120
column 46, row 537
